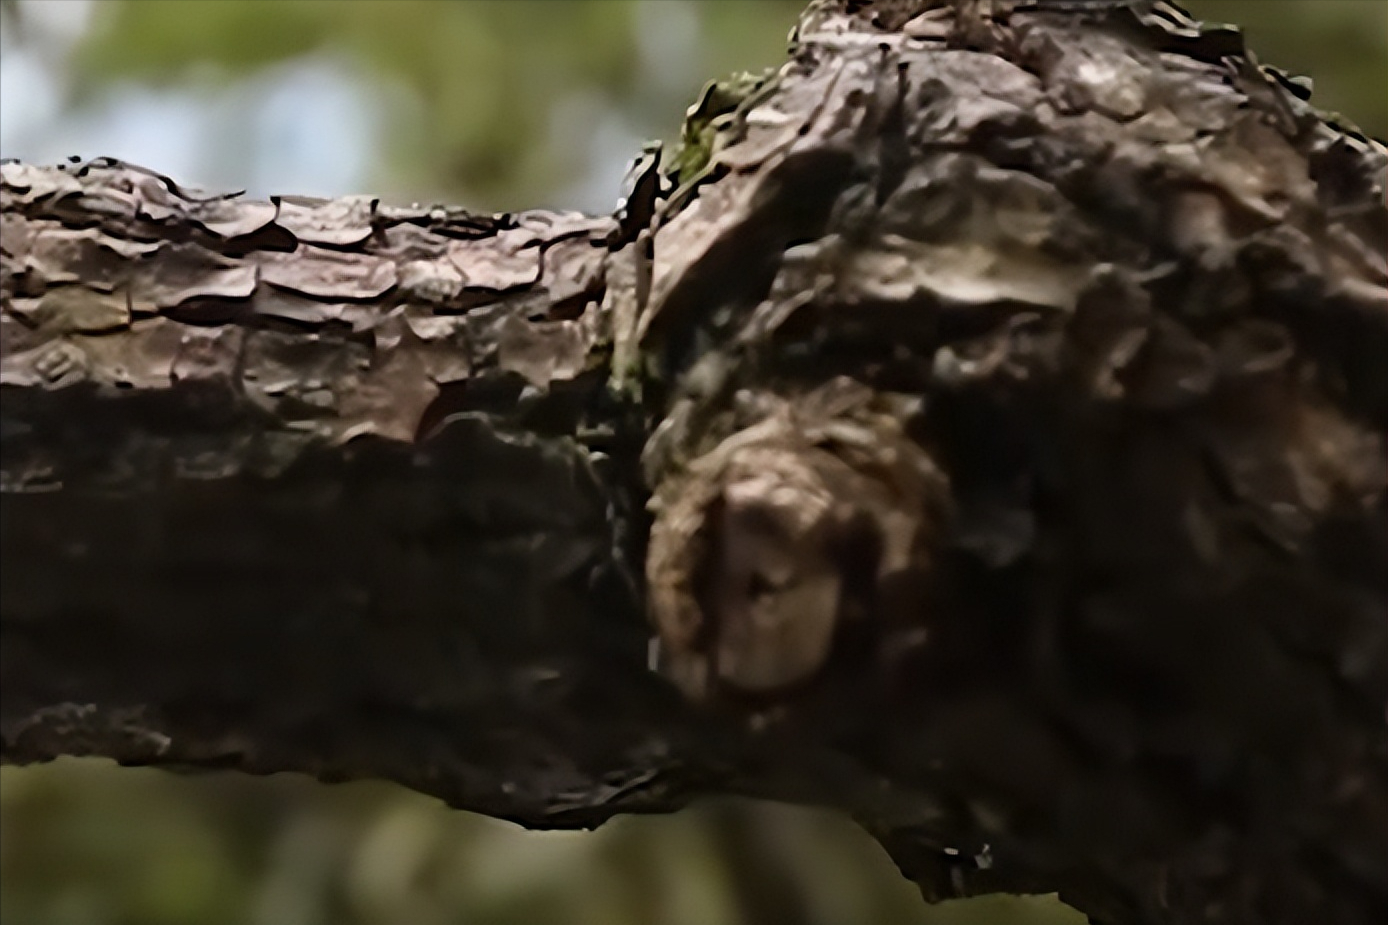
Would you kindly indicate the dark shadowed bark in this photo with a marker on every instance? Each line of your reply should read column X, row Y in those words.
column 990, row 426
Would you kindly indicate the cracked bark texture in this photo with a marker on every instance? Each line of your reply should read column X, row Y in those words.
column 1009, row 391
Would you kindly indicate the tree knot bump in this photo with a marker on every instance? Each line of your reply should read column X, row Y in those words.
column 813, row 525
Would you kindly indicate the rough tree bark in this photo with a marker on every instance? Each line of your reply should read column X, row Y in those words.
column 1007, row 384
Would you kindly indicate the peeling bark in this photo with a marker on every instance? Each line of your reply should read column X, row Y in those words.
column 1008, row 386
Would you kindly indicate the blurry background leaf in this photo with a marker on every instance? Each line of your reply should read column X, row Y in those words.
column 87, row 843
column 483, row 101
column 508, row 103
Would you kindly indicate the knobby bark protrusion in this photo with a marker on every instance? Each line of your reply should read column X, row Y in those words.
column 817, row 520
column 1007, row 380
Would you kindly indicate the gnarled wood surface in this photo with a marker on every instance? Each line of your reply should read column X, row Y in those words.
column 1009, row 388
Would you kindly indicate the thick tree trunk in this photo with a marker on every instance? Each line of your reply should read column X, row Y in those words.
column 1008, row 389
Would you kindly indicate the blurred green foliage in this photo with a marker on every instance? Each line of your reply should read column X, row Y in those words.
column 86, row 843
column 477, row 89
column 485, row 78
column 1341, row 44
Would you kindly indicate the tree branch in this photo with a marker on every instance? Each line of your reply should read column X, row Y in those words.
column 1008, row 390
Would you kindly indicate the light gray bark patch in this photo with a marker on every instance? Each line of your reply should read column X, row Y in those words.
column 327, row 274
column 186, row 271
column 341, row 222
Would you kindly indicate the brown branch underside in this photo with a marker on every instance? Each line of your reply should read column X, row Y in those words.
column 1010, row 393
